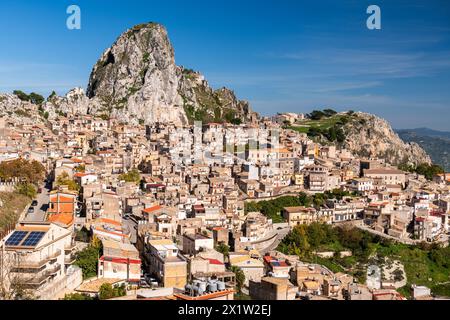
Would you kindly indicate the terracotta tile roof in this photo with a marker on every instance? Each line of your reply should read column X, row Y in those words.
column 63, row 218
column 152, row 209
column 109, row 221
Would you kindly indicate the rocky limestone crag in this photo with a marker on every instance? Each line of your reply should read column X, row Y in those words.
column 200, row 102
column 370, row 136
column 18, row 111
column 137, row 78
column 75, row 102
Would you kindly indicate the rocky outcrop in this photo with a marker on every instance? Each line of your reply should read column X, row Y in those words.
column 137, row 78
column 200, row 102
column 137, row 81
column 75, row 102
column 18, row 111
column 370, row 136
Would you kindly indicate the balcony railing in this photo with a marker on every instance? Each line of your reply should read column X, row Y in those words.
column 40, row 279
column 55, row 255
column 35, row 282
column 70, row 247
column 70, row 259
column 54, row 270
column 38, row 264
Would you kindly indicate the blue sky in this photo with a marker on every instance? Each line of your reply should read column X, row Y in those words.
column 286, row 55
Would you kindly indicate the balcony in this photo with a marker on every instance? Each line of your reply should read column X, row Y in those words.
column 70, row 247
column 35, row 282
column 54, row 270
column 39, row 279
column 70, row 259
column 20, row 265
column 55, row 255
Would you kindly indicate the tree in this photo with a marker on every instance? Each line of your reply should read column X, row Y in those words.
column 12, row 283
column 131, row 176
column 329, row 112
column 82, row 235
column 304, row 199
column 24, row 170
column 64, row 180
column 331, row 134
column 81, row 168
column 107, row 291
column 316, row 234
column 27, row 189
column 429, row 171
column 314, row 132
column 425, row 169
column 87, row 259
column 240, row 277
column 340, row 135
column 319, row 200
column 296, row 242
column 316, row 115
column 223, row 248
column 51, row 96
column 236, row 121
column 77, row 296
column 21, row 95
column 36, row 98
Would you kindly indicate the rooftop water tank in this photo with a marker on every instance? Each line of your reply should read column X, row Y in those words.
column 188, row 288
column 221, row 285
column 212, row 286
column 202, row 285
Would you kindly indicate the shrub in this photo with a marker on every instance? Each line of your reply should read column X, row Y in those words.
column 107, row 291
column 26, row 189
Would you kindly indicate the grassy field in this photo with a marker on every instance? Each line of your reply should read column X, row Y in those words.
column 304, row 126
column 422, row 267
column 12, row 206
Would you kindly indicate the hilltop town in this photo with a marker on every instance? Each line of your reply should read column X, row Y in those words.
column 154, row 186
column 213, row 211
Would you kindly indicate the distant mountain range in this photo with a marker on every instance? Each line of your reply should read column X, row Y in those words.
column 436, row 143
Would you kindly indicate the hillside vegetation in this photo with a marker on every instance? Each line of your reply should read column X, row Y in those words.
column 425, row 264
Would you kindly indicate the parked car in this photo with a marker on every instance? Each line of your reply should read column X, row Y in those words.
column 31, row 210
column 34, row 203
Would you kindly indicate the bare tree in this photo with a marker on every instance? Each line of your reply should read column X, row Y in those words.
column 12, row 283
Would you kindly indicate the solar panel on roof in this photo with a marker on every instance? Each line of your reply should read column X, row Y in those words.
column 33, row 239
column 16, row 238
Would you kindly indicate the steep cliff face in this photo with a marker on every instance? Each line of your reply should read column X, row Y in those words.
column 18, row 111
column 137, row 79
column 75, row 102
column 200, row 102
column 370, row 136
